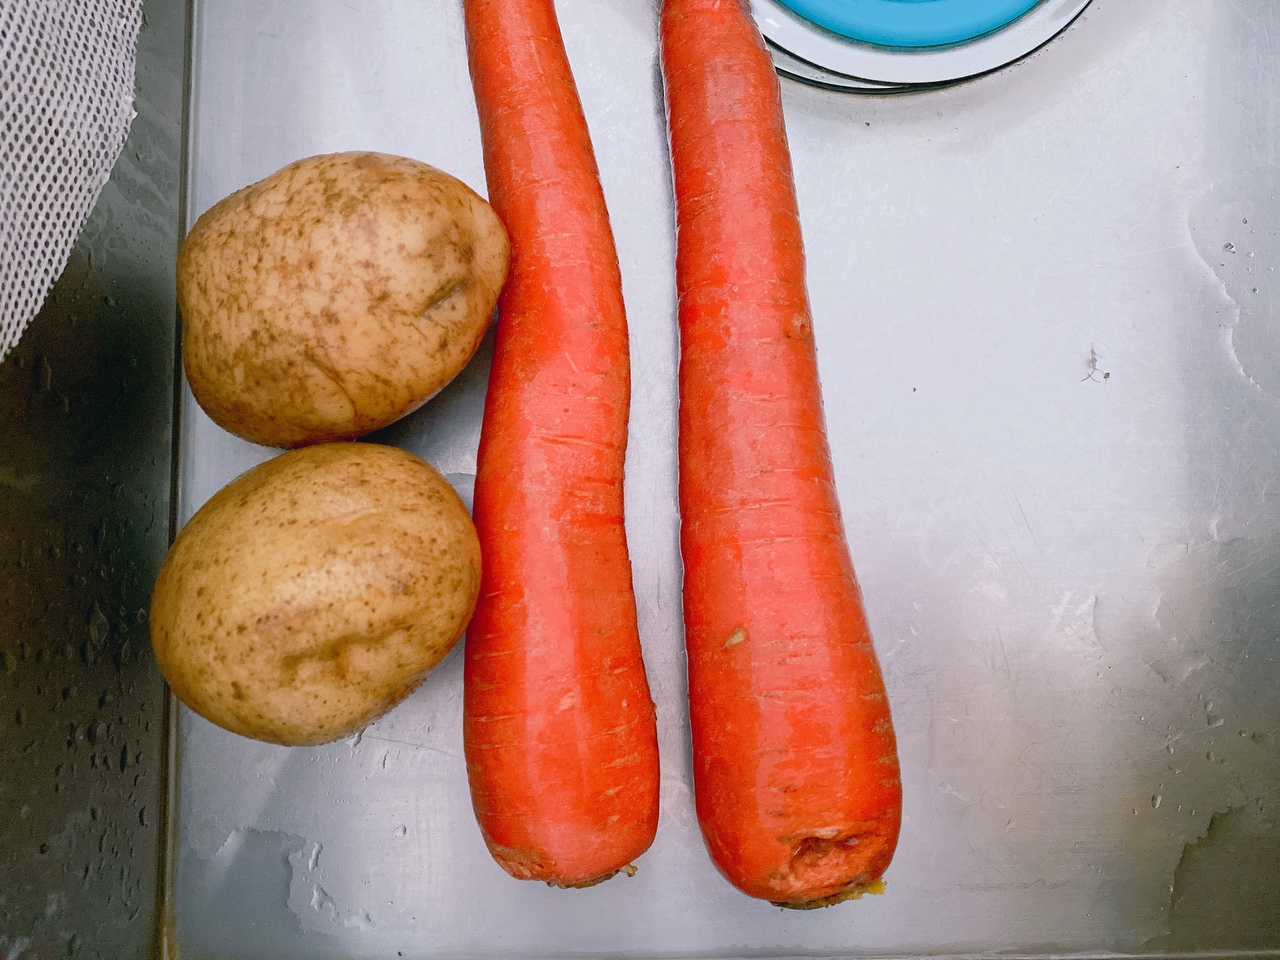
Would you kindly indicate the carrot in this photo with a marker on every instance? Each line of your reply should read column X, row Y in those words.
column 795, row 764
column 559, row 727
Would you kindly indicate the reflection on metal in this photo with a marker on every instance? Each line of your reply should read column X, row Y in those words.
column 86, row 415
column 807, row 52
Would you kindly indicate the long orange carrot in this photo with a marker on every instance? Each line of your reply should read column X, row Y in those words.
column 795, row 764
column 559, row 726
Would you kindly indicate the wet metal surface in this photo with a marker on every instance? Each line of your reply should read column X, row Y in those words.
column 86, row 417
column 1045, row 311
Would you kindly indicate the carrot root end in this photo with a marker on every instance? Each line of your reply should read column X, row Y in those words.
column 832, row 867
column 529, row 865
column 629, row 870
column 854, row 891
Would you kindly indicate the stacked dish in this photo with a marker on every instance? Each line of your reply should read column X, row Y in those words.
column 895, row 46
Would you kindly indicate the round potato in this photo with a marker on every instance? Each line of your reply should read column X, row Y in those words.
column 315, row 591
column 335, row 296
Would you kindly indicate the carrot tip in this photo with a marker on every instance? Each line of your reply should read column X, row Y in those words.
column 629, row 870
column 852, row 892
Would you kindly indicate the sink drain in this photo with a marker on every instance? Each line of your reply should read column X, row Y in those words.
column 891, row 46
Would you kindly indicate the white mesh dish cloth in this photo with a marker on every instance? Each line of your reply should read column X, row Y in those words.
column 66, row 102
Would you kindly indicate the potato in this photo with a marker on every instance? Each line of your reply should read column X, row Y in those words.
column 335, row 296
column 314, row 592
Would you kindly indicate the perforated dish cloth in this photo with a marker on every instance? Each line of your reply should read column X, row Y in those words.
column 66, row 102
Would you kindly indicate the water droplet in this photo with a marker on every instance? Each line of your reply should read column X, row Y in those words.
column 99, row 626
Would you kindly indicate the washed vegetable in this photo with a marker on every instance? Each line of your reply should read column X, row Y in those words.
column 314, row 592
column 335, row 296
column 559, row 727
column 795, row 765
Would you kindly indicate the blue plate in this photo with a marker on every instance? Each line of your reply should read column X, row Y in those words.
column 911, row 23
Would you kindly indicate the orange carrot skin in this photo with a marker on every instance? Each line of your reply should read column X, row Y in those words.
column 795, row 764
column 559, row 726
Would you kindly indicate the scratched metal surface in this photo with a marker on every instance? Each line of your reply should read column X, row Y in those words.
column 1044, row 304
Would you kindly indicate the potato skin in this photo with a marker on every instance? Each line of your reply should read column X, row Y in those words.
column 335, row 296
column 314, row 592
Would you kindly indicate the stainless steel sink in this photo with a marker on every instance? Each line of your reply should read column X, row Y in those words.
column 1045, row 305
